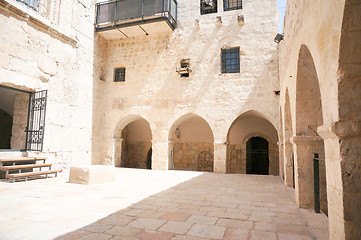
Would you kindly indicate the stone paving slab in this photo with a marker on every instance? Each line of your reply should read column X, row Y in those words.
column 159, row 205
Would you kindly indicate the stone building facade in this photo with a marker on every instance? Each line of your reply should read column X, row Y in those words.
column 203, row 107
column 49, row 48
column 286, row 103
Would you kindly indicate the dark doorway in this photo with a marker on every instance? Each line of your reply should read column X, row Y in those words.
column 6, row 123
column 257, row 156
column 149, row 159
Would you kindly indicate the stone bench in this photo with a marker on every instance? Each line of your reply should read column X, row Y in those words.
column 91, row 174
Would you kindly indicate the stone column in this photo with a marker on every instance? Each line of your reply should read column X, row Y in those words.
column 280, row 157
column 117, row 151
column 288, row 164
column 170, row 148
column 220, row 156
column 159, row 155
column 343, row 171
column 304, row 149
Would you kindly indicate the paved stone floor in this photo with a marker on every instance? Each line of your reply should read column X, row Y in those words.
column 143, row 204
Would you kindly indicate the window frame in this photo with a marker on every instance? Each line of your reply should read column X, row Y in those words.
column 119, row 77
column 227, row 55
column 239, row 5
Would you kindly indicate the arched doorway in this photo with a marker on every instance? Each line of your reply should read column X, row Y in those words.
column 191, row 144
column 244, row 137
column 136, row 145
column 257, row 156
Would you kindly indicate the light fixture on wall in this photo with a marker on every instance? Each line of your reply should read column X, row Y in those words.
column 278, row 38
column 178, row 133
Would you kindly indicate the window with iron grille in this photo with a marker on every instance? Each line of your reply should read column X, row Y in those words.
column 208, row 6
column 232, row 4
column 30, row 3
column 119, row 75
column 230, row 60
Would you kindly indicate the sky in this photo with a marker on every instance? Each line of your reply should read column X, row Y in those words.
column 281, row 5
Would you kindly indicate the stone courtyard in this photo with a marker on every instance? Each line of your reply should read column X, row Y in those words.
column 143, row 204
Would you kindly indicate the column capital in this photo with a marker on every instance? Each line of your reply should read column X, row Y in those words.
column 304, row 139
column 341, row 129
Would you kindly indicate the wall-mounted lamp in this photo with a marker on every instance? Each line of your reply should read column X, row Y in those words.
column 178, row 133
column 278, row 38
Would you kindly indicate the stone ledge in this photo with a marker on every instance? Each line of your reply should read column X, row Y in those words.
column 91, row 174
column 30, row 15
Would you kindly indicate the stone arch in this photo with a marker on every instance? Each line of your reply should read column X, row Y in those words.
column 247, row 125
column 132, row 142
column 307, row 141
column 191, row 144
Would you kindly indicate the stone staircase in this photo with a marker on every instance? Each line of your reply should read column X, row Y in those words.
column 24, row 168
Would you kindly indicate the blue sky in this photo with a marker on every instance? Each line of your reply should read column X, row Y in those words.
column 281, row 5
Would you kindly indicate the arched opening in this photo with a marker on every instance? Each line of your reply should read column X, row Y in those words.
column 288, row 148
column 248, row 126
column 257, row 156
column 191, row 144
column 136, row 143
column 307, row 141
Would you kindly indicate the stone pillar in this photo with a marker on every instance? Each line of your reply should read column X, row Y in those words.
column 288, row 164
column 220, row 156
column 159, row 155
column 280, row 157
column 304, row 148
column 117, row 151
column 343, row 171
column 170, row 149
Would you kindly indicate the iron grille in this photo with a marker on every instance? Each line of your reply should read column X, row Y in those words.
column 232, row 5
column 36, row 121
column 230, row 60
column 208, row 6
column 119, row 75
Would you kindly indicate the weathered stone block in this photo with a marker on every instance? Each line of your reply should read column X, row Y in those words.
column 91, row 174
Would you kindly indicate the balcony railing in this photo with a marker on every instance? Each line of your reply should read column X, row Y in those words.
column 125, row 13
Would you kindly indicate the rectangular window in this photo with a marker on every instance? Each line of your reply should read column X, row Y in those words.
column 30, row 3
column 119, row 75
column 208, row 6
column 230, row 60
column 232, row 4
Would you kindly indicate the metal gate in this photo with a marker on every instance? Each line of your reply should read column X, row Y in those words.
column 36, row 121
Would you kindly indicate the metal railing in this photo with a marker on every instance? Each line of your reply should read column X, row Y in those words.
column 121, row 12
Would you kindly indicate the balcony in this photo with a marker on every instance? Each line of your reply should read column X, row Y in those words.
column 128, row 18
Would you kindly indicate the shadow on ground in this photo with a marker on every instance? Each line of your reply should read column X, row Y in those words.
column 211, row 206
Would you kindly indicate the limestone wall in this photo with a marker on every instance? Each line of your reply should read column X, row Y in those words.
column 53, row 50
column 155, row 91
